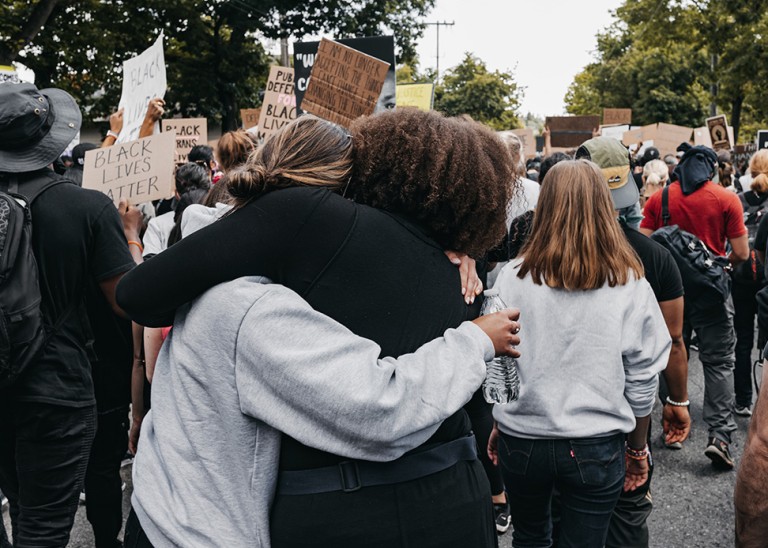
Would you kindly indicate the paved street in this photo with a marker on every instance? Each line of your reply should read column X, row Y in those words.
column 693, row 502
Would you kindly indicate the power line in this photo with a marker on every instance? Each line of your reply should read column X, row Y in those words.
column 438, row 24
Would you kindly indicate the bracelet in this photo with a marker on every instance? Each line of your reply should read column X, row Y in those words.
column 685, row 403
column 137, row 244
column 635, row 454
column 111, row 133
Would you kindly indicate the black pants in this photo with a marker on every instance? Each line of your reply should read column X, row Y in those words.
column 450, row 509
column 43, row 456
column 481, row 416
column 745, row 311
column 103, row 484
column 134, row 534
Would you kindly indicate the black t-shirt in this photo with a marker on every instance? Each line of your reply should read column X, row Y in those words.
column 77, row 239
column 660, row 268
column 373, row 272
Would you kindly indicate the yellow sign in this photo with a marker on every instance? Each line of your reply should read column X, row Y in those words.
column 415, row 95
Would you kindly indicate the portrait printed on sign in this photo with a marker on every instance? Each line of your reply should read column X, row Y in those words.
column 380, row 47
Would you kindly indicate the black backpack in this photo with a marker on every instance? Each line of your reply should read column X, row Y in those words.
column 705, row 275
column 750, row 272
column 23, row 330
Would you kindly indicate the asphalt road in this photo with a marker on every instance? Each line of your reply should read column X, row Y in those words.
column 693, row 504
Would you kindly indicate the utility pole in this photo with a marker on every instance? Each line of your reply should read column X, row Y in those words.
column 437, row 25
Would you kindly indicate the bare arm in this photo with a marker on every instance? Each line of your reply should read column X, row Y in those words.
column 739, row 249
column 155, row 111
column 131, row 218
column 138, row 409
column 752, row 479
column 676, row 420
column 115, row 126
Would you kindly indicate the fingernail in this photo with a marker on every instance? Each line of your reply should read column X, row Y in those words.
column 463, row 290
column 456, row 261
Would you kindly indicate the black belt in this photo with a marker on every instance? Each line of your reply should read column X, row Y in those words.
column 352, row 475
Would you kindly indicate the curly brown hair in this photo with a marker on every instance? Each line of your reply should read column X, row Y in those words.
column 452, row 176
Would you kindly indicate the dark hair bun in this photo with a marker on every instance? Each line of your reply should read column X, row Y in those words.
column 246, row 182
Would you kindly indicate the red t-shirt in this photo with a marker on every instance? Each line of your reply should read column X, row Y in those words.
column 711, row 213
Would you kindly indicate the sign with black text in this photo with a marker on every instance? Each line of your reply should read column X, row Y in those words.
column 617, row 116
column 143, row 80
column 762, row 139
column 718, row 132
column 189, row 133
column 571, row 131
column 139, row 171
column 279, row 106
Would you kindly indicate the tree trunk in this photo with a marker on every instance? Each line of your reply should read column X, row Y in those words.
column 736, row 116
column 9, row 51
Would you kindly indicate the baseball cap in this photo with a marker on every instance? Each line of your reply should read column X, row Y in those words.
column 612, row 157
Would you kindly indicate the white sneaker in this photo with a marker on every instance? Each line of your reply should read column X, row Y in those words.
column 743, row 411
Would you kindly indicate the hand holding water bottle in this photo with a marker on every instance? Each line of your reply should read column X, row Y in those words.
column 502, row 328
column 502, row 383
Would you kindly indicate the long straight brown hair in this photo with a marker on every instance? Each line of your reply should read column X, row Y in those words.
column 576, row 242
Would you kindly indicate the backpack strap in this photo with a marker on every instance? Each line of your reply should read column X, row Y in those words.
column 665, row 206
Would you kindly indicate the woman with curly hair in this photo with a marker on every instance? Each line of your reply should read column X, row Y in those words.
column 435, row 183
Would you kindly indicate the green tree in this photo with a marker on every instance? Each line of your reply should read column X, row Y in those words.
column 492, row 98
column 216, row 63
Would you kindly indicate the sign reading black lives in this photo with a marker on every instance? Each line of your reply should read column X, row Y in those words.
column 380, row 47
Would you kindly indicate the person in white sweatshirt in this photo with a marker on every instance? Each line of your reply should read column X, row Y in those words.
column 594, row 343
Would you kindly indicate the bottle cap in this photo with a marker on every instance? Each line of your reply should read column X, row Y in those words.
column 492, row 292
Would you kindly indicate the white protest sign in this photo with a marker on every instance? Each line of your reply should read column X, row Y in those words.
column 139, row 171
column 279, row 106
column 143, row 80
column 189, row 132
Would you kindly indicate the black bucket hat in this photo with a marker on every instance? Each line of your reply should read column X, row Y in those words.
column 35, row 126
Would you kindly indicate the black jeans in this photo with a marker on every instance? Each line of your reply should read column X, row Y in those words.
column 589, row 475
column 134, row 534
column 103, row 484
column 745, row 311
column 43, row 456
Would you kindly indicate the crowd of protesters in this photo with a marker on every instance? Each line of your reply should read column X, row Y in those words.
column 291, row 346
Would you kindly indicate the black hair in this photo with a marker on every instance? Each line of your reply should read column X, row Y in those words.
column 191, row 196
column 548, row 162
column 189, row 176
column 201, row 155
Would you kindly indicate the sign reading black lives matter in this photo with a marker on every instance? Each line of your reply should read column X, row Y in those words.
column 279, row 106
column 380, row 47
column 345, row 83
column 143, row 80
column 189, row 133
column 139, row 171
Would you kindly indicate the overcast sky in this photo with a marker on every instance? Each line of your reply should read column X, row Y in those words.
column 544, row 42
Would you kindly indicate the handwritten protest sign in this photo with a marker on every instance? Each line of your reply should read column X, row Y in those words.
column 701, row 136
column 617, row 116
column 615, row 132
column 139, row 171
column 143, row 80
column 718, row 133
column 528, row 140
column 571, row 131
column 189, row 132
column 279, row 106
column 345, row 83
column 380, row 47
column 250, row 117
column 415, row 95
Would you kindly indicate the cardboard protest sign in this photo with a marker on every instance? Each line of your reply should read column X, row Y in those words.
column 529, row 141
column 718, row 133
column 632, row 136
column 667, row 137
column 143, row 80
column 8, row 74
column 762, row 139
column 615, row 132
column 743, row 153
column 617, row 116
column 380, row 47
column 571, row 131
column 702, row 137
column 139, row 171
column 279, row 106
column 189, row 132
column 345, row 83
column 250, row 117
column 419, row 96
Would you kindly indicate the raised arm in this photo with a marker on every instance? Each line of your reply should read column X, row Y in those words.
column 329, row 389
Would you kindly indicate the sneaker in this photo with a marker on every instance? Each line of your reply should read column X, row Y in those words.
column 674, row 445
column 502, row 516
column 743, row 410
column 719, row 453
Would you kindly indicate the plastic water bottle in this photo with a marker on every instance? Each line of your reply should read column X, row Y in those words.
column 502, row 384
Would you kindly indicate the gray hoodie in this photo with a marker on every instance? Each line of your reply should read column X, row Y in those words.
column 247, row 361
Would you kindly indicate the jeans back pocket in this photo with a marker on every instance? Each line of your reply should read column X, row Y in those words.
column 514, row 454
column 600, row 460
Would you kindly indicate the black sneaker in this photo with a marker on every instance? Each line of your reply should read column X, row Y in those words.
column 719, row 453
column 501, row 513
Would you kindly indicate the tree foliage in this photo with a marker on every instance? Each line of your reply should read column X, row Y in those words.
column 670, row 60
column 216, row 63
column 492, row 98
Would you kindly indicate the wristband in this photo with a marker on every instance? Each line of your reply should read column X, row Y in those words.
column 137, row 244
column 635, row 454
column 111, row 133
column 685, row 403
